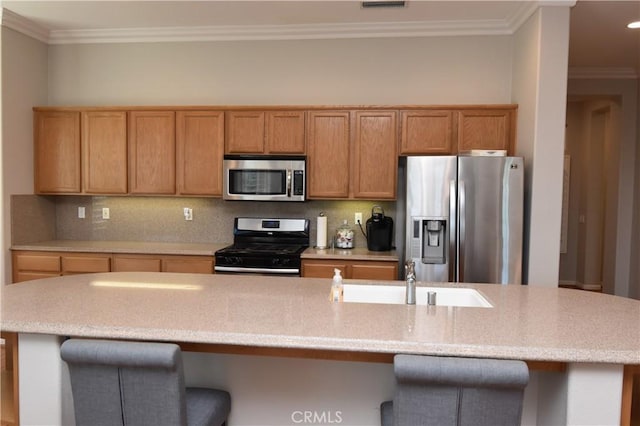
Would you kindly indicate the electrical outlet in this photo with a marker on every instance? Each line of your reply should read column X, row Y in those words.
column 358, row 218
column 81, row 213
column 105, row 213
column 188, row 213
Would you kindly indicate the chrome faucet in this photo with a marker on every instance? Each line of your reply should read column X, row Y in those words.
column 410, row 276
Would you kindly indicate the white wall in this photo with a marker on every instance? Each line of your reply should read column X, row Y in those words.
column 541, row 48
column 24, row 84
column 434, row 70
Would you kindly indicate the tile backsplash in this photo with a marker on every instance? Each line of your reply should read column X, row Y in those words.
column 162, row 219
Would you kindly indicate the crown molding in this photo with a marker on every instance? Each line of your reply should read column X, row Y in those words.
column 23, row 25
column 281, row 32
column 505, row 26
column 529, row 8
column 603, row 73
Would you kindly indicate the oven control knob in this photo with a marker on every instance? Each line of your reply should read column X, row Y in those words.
column 231, row 260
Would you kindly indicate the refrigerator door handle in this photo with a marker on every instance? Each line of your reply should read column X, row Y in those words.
column 452, row 231
column 461, row 224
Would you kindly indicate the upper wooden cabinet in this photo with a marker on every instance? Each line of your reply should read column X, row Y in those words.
column 152, row 152
column 375, row 165
column 450, row 131
column 328, row 154
column 199, row 152
column 486, row 128
column 265, row 132
column 285, row 132
column 427, row 132
column 245, row 132
column 104, row 152
column 57, row 152
column 352, row 154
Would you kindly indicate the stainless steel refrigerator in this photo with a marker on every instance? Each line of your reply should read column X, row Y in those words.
column 464, row 218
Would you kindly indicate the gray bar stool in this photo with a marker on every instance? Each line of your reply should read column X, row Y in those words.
column 455, row 391
column 137, row 383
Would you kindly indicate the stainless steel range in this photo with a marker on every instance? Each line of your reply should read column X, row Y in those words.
column 264, row 246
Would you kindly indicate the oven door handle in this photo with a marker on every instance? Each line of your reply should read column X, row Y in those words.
column 262, row 270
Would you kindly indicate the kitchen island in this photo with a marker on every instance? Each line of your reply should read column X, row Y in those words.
column 281, row 348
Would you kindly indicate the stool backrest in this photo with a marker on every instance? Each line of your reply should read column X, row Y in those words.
column 458, row 391
column 125, row 383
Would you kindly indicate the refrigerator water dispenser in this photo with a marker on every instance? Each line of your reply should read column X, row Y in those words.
column 433, row 240
column 429, row 240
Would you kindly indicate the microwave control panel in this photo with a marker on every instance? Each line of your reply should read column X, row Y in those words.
column 298, row 182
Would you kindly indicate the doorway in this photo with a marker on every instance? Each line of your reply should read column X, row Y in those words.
column 588, row 260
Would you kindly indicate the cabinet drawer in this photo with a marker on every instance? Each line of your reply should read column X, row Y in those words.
column 195, row 266
column 375, row 271
column 38, row 262
column 322, row 269
column 27, row 276
column 80, row 264
column 136, row 264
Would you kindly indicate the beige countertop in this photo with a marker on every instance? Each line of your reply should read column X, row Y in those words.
column 527, row 322
column 196, row 249
column 350, row 254
column 136, row 247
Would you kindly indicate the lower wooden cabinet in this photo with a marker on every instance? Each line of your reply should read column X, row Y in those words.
column 351, row 269
column 162, row 263
column 33, row 265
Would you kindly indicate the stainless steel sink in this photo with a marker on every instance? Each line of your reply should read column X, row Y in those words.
column 395, row 294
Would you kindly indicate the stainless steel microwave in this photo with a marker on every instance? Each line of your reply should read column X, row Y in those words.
column 264, row 178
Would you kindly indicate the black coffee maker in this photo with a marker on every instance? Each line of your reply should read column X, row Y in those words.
column 379, row 230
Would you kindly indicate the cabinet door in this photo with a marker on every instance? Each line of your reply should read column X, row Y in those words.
column 375, row 271
column 375, row 170
column 328, row 154
column 57, row 152
column 486, row 129
column 323, row 268
column 152, row 156
column 285, row 132
column 104, row 152
column 136, row 263
column 426, row 132
column 199, row 152
column 34, row 265
column 188, row 264
column 245, row 132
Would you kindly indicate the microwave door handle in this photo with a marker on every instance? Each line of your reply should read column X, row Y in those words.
column 289, row 183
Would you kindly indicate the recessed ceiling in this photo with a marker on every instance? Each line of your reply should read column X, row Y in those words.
column 598, row 35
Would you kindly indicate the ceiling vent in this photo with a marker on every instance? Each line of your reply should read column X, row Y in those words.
column 383, row 4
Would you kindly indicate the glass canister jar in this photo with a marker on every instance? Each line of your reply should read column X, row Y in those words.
column 345, row 236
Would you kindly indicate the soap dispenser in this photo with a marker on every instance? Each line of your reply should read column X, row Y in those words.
column 336, row 286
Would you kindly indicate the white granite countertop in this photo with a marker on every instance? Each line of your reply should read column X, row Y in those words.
column 526, row 322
